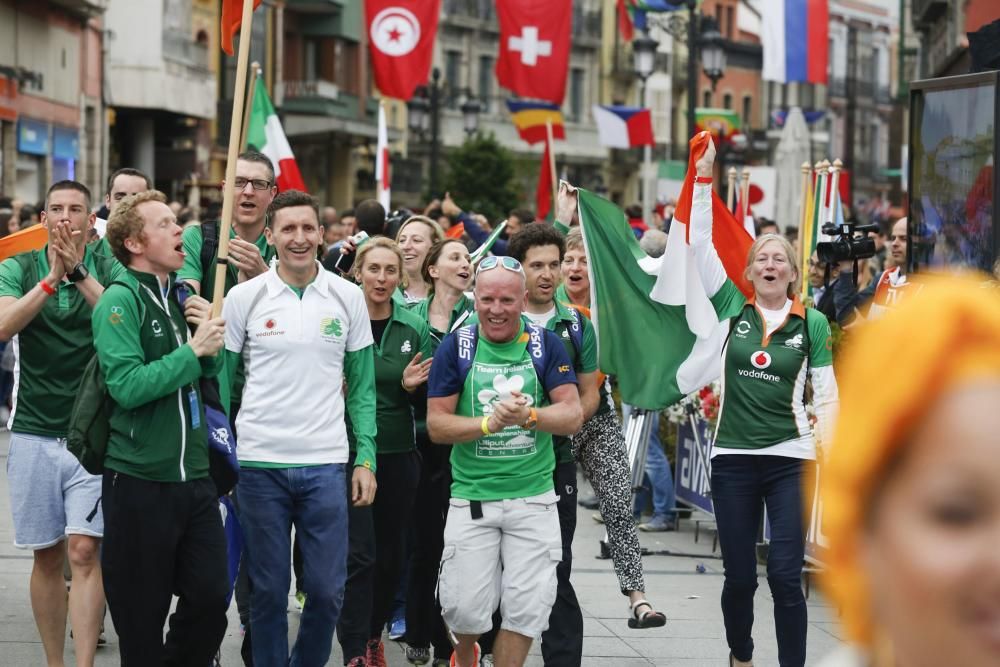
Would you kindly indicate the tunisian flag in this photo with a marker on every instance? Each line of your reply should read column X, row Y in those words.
column 534, row 47
column 232, row 17
column 264, row 133
column 401, row 43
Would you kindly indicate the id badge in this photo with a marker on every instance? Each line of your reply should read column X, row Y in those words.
column 195, row 412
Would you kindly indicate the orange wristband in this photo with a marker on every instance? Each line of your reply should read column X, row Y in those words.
column 46, row 288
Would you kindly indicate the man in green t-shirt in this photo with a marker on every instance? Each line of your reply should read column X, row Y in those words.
column 249, row 252
column 46, row 300
column 499, row 390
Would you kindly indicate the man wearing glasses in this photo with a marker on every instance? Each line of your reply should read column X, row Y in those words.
column 499, row 390
column 249, row 253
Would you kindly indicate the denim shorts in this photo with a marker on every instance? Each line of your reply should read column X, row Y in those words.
column 51, row 495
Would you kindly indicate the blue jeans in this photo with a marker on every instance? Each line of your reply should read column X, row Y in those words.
column 740, row 486
column 659, row 478
column 314, row 500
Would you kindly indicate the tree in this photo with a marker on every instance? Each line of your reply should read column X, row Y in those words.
column 480, row 177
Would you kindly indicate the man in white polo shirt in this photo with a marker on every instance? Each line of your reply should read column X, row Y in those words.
column 302, row 332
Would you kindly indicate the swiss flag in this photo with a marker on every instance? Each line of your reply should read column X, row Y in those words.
column 401, row 43
column 534, row 47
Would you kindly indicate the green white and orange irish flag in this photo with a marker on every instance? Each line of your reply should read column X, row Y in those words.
column 264, row 133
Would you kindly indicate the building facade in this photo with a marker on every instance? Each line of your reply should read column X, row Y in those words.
column 51, row 110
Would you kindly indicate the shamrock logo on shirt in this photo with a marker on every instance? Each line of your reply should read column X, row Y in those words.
column 406, row 347
column 330, row 326
column 503, row 388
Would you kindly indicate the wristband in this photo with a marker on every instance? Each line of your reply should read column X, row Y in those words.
column 402, row 384
column 703, row 179
column 486, row 425
column 46, row 287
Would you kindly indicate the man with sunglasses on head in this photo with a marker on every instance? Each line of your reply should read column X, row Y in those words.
column 499, row 390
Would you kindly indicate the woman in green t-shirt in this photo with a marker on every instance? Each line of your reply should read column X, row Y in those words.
column 415, row 238
column 448, row 269
column 377, row 533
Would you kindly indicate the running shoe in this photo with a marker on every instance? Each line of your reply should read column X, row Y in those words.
column 419, row 656
column 397, row 629
column 375, row 657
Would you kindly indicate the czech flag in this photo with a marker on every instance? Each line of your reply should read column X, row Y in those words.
column 530, row 118
column 624, row 127
column 795, row 39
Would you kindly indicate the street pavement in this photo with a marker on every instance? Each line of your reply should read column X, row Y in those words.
column 693, row 637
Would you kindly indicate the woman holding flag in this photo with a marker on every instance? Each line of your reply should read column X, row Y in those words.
column 763, row 444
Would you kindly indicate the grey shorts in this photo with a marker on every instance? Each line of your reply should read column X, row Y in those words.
column 51, row 495
column 508, row 557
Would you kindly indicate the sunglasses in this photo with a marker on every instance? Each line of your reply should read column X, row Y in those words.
column 493, row 261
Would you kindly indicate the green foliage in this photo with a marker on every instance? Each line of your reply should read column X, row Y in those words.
column 480, row 177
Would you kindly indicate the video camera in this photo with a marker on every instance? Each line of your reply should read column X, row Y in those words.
column 845, row 246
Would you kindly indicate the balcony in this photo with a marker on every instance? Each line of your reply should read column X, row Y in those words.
column 180, row 48
column 286, row 91
column 83, row 8
column 928, row 11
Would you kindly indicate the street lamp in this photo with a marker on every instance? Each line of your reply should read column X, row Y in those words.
column 644, row 59
column 713, row 55
column 424, row 111
column 470, row 115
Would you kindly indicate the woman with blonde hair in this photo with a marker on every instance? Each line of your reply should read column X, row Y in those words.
column 415, row 238
column 911, row 487
column 763, row 444
column 376, row 532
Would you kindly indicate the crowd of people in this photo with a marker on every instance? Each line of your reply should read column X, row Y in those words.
column 410, row 409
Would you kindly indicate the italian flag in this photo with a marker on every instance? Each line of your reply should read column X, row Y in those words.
column 265, row 134
column 656, row 328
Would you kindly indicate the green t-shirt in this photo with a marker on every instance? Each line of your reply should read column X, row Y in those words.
column 763, row 401
column 515, row 462
column 405, row 335
column 54, row 348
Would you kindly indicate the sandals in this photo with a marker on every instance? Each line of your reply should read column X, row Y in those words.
column 647, row 619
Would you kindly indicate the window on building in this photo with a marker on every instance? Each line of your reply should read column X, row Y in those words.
column 706, row 100
column 727, row 101
column 486, row 82
column 747, row 111
column 730, row 24
column 310, row 59
column 452, row 77
column 575, row 94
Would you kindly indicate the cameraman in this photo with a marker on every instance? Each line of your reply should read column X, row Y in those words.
column 883, row 292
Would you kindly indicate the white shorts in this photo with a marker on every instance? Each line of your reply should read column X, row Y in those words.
column 51, row 495
column 507, row 557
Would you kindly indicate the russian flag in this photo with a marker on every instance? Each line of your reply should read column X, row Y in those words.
column 796, row 40
column 624, row 127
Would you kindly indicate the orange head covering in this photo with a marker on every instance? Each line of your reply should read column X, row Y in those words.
column 894, row 370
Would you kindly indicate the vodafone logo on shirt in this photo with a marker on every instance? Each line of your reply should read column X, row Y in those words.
column 760, row 359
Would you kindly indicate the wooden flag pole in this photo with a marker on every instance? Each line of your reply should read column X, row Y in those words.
column 805, row 230
column 825, row 171
column 834, row 189
column 744, row 194
column 251, row 89
column 731, row 190
column 229, row 191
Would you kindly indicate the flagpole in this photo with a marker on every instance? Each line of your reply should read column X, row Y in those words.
column 228, row 191
column 731, row 190
column 831, row 213
column 251, row 90
column 744, row 194
column 552, row 166
column 805, row 233
column 825, row 171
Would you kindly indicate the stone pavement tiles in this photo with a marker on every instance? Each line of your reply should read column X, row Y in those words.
column 693, row 636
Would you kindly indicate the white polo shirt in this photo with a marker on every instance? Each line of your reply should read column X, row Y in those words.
column 293, row 352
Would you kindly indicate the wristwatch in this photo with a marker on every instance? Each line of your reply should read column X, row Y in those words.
column 532, row 421
column 79, row 272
